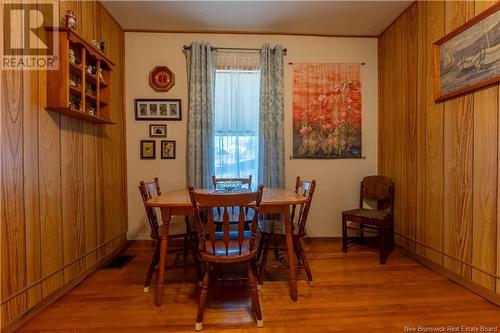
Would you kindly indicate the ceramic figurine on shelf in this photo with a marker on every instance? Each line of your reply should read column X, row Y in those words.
column 91, row 110
column 90, row 70
column 101, row 77
column 72, row 58
column 70, row 19
column 72, row 83
column 88, row 89
column 96, row 44
column 102, row 46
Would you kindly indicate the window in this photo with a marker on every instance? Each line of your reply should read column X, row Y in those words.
column 236, row 129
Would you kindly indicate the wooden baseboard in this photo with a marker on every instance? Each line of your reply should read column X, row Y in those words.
column 15, row 324
column 490, row 295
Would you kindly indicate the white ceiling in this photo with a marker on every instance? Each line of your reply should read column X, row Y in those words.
column 358, row 18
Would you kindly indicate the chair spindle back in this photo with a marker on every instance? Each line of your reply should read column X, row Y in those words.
column 147, row 190
column 306, row 189
column 246, row 181
column 225, row 243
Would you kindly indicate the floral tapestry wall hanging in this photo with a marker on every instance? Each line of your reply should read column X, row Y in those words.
column 326, row 111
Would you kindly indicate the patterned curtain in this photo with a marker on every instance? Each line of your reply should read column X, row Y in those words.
column 271, row 118
column 201, row 77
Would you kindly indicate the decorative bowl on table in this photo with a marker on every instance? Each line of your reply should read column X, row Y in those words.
column 229, row 187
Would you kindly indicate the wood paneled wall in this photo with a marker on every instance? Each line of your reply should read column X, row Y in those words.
column 443, row 157
column 63, row 181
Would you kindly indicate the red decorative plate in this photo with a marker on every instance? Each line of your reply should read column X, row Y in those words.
column 161, row 78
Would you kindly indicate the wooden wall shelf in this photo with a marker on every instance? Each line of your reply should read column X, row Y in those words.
column 82, row 115
column 72, row 90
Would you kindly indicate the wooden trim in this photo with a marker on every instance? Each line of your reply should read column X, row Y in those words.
column 5, row 300
column 15, row 324
column 490, row 295
column 447, row 255
column 123, row 114
column 397, row 18
column 266, row 33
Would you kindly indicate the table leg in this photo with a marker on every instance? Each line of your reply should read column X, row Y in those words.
column 165, row 216
column 291, row 257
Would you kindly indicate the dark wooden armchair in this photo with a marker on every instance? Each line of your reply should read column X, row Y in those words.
column 226, row 247
column 379, row 189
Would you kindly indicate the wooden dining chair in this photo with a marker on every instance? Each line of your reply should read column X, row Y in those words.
column 148, row 190
column 233, row 212
column 273, row 230
column 380, row 189
column 244, row 181
column 226, row 247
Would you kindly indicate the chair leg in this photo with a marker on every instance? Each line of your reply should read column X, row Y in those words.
column 197, row 264
column 361, row 234
column 277, row 252
column 203, row 298
column 263, row 262
column 255, row 296
column 387, row 240
column 186, row 239
column 297, row 250
column 391, row 235
column 305, row 262
column 344, row 234
column 261, row 246
column 383, row 244
column 154, row 262
column 255, row 269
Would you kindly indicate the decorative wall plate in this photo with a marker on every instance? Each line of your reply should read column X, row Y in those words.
column 161, row 78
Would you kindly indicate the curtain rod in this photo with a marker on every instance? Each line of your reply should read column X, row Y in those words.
column 187, row 47
column 362, row 63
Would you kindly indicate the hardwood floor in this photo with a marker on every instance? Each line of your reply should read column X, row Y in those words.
column 352, row 293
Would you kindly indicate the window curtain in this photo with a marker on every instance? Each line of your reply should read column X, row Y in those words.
column 236, row 114
column 201, row 77
column 271, row 118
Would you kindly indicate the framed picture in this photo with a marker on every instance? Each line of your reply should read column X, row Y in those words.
column 468, row 58
column 167, row 149
column 148, row 149
column 158, row 131
column 327, row 111
column 158, row 109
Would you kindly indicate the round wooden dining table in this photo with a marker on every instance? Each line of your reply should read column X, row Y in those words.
column 178, row 203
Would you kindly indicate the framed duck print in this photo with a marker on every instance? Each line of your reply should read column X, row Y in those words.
column 148, row 149
column 468, row 58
